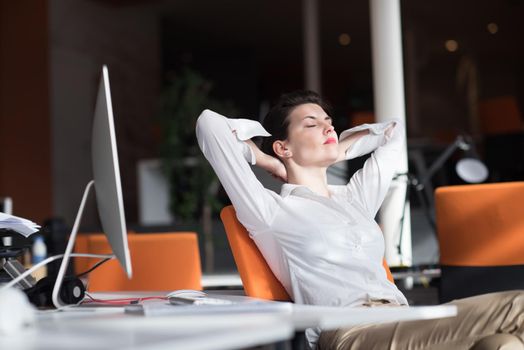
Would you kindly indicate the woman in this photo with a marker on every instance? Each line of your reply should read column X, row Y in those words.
column 321, row 241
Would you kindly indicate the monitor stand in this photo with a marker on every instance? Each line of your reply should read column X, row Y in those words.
column 57, row 301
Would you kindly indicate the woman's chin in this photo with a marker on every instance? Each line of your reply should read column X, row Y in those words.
column 328, row 162
column 321, row 161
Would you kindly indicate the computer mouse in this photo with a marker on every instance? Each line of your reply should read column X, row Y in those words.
column 187, row 293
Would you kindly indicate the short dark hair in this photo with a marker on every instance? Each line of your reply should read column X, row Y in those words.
column 276, row 121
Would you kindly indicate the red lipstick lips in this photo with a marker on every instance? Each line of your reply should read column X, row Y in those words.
column 330, row 141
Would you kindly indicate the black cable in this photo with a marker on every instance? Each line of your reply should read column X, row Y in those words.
column 93, row 267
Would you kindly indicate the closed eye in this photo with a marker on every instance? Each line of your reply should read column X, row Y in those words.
column 310, row 126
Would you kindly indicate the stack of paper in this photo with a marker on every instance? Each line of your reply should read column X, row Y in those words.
column 23, row 226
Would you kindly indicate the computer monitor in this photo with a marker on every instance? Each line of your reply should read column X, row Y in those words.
column 106, row 173
column 106, row 179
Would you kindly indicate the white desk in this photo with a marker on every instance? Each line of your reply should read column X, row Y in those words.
column 111, row 328
column 329, row 318
column 332, row 317
column 230, row 280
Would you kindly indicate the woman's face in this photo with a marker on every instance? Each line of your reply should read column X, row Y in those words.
column 312, row 140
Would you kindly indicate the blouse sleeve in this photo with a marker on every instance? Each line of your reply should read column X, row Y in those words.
column 222, row 141
column 370, row 184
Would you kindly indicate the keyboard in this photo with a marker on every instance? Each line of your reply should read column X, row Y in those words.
column 198, row 300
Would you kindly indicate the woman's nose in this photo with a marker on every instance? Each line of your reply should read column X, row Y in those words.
column 329, row 129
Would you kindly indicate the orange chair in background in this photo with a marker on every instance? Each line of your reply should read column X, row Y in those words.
column 81, row 264
column 257, row 278
column 161, row 261
column 481, row 237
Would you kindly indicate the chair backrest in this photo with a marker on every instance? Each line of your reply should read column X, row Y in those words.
column 481, row 238
column 161, row 261
column 257, row 278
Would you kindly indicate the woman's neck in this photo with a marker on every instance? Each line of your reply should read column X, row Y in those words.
column 313, row 178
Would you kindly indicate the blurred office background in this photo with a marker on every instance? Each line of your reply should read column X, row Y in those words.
column 462, row 66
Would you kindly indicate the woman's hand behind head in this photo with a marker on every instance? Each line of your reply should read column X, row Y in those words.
column 269, row 163
column 278, row 170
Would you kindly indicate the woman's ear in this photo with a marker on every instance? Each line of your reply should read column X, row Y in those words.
column 281, row 150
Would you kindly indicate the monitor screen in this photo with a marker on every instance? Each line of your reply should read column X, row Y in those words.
column 106, row 174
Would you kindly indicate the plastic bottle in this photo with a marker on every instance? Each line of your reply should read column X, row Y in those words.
column 39, row 252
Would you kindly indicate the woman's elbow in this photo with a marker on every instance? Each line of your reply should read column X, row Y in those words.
column 204, row 120
column 207, row 124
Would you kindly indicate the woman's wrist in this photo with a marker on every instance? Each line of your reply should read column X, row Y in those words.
column 349, row 141
column 265, row 161
column 269, row 163
column 259, row 155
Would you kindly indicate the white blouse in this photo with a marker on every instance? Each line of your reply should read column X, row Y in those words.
column 324, row 251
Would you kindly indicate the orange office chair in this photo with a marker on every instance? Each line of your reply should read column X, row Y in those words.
column 481, row 237
column 161, row 261
column 257, row 278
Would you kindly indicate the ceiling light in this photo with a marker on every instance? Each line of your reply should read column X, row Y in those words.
column 344, row 39
column 493, row 28
column 451, row 45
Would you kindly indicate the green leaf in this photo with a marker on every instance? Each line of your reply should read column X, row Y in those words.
column 182, row 100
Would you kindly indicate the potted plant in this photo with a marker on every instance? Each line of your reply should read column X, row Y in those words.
column 192, row 182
